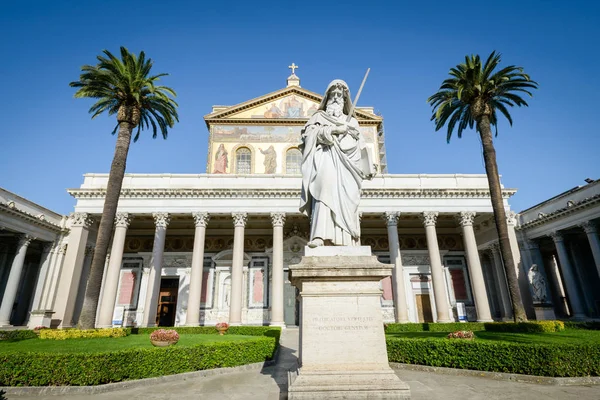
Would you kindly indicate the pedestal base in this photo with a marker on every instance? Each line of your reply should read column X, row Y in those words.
column 544, row 312
column 343, row 353
column 309, row 385
column 40, row 318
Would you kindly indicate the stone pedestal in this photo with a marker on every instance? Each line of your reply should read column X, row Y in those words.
column 40, row 318
column 342, row 343
column 544, row 312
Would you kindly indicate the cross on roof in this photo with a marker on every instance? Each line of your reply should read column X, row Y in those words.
column 293, row 68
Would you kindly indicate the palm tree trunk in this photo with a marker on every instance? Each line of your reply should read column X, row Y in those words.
column 87, row 320
column 491, row 169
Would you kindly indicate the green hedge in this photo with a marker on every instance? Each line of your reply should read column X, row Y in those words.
column 519, row 358
column 587, row 325
column 525, row 327
column 211, row 330
column 434, row 327
column 63, row 334
column 78, row 369
column 19, row 334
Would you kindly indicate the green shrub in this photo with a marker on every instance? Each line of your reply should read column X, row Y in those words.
column 587, row 325
column 211, row 330
column 519, row 358
column 434, row 327
column 525, row 327
column 76, row 369
column 19, row 334
column 63, row 334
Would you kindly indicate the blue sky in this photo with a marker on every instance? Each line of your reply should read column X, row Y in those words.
column 227, row 52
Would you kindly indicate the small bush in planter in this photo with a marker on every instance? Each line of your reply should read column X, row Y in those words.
column 164, row 337
column 461, row 335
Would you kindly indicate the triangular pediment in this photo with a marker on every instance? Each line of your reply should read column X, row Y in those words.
column 290, row 104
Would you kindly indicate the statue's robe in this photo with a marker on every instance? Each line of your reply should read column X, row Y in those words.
column 332, row 174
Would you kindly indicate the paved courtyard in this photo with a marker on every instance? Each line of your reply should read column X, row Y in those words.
column 270, row 384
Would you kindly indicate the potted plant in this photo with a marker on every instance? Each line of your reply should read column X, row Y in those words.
column 164, row 337
column 222, row 327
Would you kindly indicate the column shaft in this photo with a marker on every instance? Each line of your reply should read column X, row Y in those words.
column 45, row 262
column 437, row 271
column 12, row 285
column 398, row 288
column 569, row 277
column 109, row 296
column 161, row 221
column 278, row 220
column 70, row 274
column 237, row 269
column 592, row 234
column 474, row 264
column 195, row 294
column 500, row 278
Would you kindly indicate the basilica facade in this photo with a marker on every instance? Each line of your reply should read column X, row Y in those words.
column 182, row 243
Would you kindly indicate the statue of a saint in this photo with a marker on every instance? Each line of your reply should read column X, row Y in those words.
column 270, row 159
column 221, row 162
column 335, row 161
column 538, row 284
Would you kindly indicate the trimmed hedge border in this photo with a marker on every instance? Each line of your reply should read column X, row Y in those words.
column 434, row 327
column 18, row 334
column 82, row 369
column 521, row 327
column 584, row 325
column 517, row 358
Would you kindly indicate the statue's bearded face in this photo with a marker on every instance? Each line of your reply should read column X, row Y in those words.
column 335, row 102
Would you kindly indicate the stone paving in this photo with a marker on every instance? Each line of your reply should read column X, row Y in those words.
column 269, row 383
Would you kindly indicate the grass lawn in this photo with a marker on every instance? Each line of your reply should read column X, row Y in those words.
column 99, row 345
column 565, row 337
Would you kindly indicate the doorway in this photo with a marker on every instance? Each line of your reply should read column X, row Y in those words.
column 290, row 309
column 424, row 308
column 167, row 301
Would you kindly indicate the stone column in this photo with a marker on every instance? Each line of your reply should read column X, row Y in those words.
column 592, row 234
column 70, row 275
column 161, row 221
column 500, row 278
column 569, row 281
column 437, row 271
column 47, row 253
column 474, row 264
column 237, row 268
column 109, row 296
column 398, row 288
column 12, row 284
column 278, row 220
column 54, row 275
column 193, row 312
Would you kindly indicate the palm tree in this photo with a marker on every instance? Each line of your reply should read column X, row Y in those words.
column 472, row 96
column 126, row 88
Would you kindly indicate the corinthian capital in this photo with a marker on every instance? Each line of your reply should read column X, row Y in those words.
column 161, row 219
column 466, row 218
column 278, row 218
column 391, row 217
column 25, row 240
column 81, row 219
column 201, row 219
column 588, row 227
column 239, row 219
column 429, row 218
column 556, row 236
column 511, row 218
column 123, row 219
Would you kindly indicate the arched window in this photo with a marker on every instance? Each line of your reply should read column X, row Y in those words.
column 293, row 161
column 243, row 161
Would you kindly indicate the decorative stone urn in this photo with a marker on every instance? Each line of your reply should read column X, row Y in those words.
column 163, row 343
column 164, row 337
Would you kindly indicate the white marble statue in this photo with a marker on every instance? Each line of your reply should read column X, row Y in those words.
column 335, row 161
column 538, row 283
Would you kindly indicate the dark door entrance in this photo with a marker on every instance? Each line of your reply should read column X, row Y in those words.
column 424, row 308
column 167, row 301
